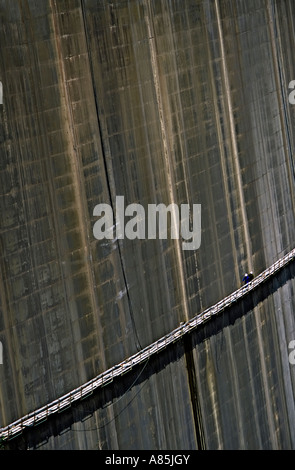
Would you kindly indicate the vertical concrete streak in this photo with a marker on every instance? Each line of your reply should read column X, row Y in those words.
column 218, row 117
column 16, row 357
column 249, row 359
column 234, row 141
column 107, row 168
column 285, row 385
column 65, row 108
column 235, row 387
column 170, row 182
column 150, row 177
column 213, row 397
column 183, row 142
column 264, row 373
column 270, row 184
column 81, row 198
column 194, row 393
column 76, row 173
column 278, row 71
column 10, row 345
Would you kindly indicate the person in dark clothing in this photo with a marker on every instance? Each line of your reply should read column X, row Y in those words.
column 248, row 277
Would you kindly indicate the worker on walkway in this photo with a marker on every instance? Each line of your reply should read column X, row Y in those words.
column 248, row 277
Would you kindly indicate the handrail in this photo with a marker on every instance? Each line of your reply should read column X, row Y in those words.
column 60, row 404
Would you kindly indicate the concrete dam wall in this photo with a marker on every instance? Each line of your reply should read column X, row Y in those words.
column 161, row 102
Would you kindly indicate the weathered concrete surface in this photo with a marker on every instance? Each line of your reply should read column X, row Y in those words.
column 179, row 101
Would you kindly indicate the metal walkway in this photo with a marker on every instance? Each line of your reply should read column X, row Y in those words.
column 65, row 401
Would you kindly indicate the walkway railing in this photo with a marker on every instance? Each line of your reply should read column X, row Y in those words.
column 103, row 379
